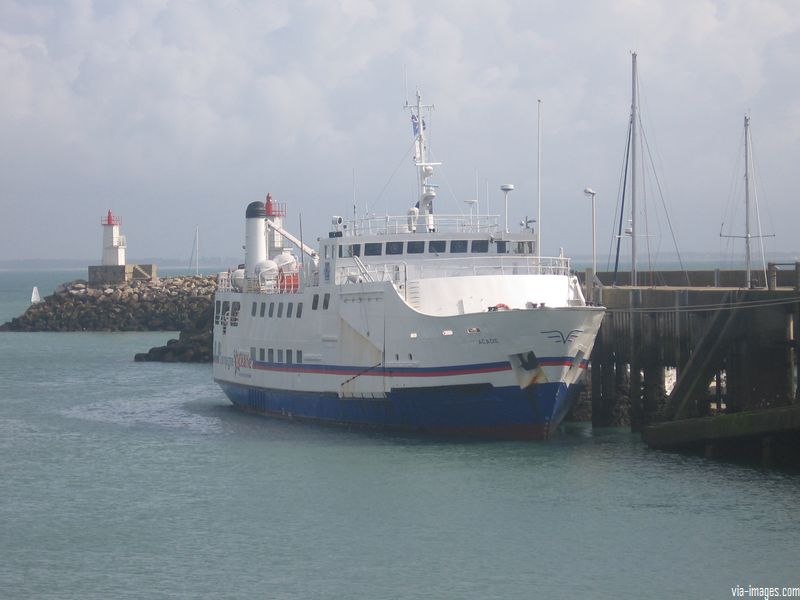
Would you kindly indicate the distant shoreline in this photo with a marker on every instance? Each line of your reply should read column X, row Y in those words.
column 691, row 261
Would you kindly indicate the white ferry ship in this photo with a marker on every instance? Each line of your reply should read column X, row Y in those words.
column 442, row 324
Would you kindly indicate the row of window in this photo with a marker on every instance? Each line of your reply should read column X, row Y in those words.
column 269, row 355
column 222, row 308
column 433, row 247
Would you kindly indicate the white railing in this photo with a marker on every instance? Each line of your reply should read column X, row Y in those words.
column 256, row 285
column 390, row 224
column 401, row 271
column 224, row 283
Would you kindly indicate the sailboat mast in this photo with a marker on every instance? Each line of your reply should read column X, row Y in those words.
column 197, row 251
column 747, row 236
column 634, row 153
column 539, row 178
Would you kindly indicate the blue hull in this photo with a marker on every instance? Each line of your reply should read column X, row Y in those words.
column 468, row 410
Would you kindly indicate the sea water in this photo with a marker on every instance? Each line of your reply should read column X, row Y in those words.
column 139, row 480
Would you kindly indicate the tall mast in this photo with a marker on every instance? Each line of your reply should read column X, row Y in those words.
column 539, row 177
column 634, row 148
column 427, row 190
column 197, row 250
column 747, row 235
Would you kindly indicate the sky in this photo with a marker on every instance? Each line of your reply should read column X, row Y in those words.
column 177, row 114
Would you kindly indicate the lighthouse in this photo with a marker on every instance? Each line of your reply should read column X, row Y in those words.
column 113, row 242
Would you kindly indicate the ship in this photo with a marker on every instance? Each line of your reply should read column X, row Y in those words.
column 426, row 323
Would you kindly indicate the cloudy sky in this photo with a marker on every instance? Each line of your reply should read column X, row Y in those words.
column 177, row 114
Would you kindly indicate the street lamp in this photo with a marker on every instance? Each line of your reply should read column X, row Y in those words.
column 590, row 192
column 505, row 188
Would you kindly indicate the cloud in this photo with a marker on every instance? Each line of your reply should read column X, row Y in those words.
column 151, row 107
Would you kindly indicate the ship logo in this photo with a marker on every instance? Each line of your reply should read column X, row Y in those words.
column 559, row 336
column 241, row 360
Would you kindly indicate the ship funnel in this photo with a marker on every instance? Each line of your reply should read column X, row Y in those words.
column 254, row 237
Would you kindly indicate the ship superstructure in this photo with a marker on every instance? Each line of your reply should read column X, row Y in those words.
column 423, row 322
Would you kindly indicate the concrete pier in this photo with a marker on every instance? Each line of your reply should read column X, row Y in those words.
column 734, row 351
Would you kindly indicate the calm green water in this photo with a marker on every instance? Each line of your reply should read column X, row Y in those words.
column 129, row 480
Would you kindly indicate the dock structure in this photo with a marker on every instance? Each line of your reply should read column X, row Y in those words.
column 733, row 351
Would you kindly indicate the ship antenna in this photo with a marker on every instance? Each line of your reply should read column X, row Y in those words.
column 355, row 216
column 427, row 190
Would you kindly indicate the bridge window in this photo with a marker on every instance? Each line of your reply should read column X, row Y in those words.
column 280, row 355
column 261, row 354
column 271, row 309
column 373, row 249
column 253, row 309
column 394, row 247
column 289, row 357
column 217, row 306
column 235, row 308
column 280, row 309
column 458, row 246
column 263, row 308
column 437, row 246
column 326, row 300
column 480, row 246
column 270, row 355
column 415, row 247
column 502, row 247
column 299, row 309
column 252, row 353
column 349, row 250
column 289, row 310
column 524, row 248
column 315, row 302
column 299, row 357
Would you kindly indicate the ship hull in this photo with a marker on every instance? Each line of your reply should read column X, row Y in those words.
column 480, row 410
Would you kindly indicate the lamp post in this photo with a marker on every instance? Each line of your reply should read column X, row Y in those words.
column 505, row 188
column 590, row 192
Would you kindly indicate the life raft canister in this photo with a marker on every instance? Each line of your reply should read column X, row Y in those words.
column 288, row 282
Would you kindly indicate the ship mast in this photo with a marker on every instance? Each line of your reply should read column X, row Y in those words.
column 427, row 190
column 539, row 178
column 747, row 236
column 634, row 152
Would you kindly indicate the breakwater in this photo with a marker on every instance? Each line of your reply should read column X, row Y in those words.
column 168, row 304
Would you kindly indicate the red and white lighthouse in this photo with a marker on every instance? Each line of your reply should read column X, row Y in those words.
column 113, row 242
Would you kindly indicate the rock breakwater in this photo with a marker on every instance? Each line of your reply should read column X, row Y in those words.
column 168, row 304
column 191, row 346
